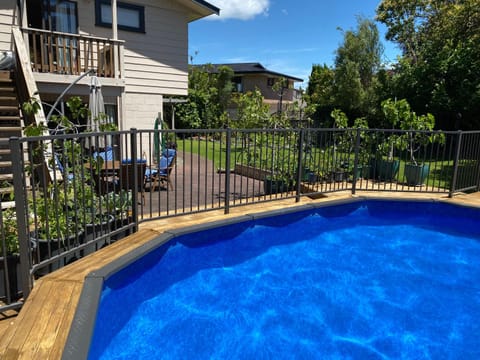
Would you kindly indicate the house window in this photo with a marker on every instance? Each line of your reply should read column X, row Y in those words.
column 237, row 84
column 270, row 81
column 129, row 17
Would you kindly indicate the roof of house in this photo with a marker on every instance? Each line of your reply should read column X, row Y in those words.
column 252, row 68
column 201, row 8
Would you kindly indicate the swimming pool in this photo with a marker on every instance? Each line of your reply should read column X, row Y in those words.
column 364, row 279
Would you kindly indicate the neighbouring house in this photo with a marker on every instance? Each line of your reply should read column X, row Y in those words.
column 251, row 76
column 138, row 49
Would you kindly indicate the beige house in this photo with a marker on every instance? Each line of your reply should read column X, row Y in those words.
column 137, row 48
column 251, row 76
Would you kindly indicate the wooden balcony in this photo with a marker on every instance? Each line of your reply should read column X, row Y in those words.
column 73, row 54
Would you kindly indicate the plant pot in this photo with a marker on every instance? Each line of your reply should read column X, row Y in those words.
column 386, row 170
column 338, row 175
column 11, row 277
column 40, row 248
column 95, row 231
column 312, row 178
column 306, row 174
column 274, row 186
column 415, row 175
column 363, row 171
column 119, row 223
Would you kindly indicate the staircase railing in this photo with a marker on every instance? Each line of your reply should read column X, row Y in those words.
column 26, row 85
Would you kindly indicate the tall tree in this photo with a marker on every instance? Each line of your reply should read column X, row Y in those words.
column 209, row 94
column 356, row 63
column 319, row 94
column 403, row 19
column 440, row 69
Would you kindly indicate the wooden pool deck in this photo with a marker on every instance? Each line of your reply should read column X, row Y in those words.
column 41, row 328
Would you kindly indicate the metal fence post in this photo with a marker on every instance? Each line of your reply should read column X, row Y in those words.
column 301, row 140
column 227, row 170
column 453, row 185
column 355, row 162
column 21, row 206
column 133, row 154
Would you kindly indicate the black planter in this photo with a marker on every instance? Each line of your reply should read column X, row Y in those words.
column 274, row 186
column 95, row 231
column 11, row 277
column 338, row 175
column 40, row 249
column 119, row 223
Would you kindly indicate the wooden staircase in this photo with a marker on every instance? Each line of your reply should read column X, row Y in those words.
column 10, row 125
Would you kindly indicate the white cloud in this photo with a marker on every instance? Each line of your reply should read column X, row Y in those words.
column 239, row 9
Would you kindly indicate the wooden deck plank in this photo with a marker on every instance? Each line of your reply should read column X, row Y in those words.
column 53, row 338
column 45, row 330
column 15, row 340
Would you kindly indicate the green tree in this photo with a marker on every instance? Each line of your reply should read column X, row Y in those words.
column 319, row 95
column 209, row 95
column 440, row 68
column 356, row 63
column 403, row 19
column 252, row 112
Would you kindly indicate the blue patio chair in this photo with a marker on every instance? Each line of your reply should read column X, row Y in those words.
column 106, row 155
column 160, row 176
column 59, row 166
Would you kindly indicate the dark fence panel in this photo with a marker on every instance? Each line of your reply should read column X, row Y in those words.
column 76, row 193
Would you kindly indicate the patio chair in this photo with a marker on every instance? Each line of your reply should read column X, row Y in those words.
column 161, row 176
column 106, row 155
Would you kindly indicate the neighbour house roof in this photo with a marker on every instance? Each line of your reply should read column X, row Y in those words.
column 199, row 9
column 253, row 68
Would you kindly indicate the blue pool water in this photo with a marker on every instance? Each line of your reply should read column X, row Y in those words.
column 367, row 280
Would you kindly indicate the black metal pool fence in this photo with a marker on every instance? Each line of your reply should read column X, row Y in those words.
column 76, row 193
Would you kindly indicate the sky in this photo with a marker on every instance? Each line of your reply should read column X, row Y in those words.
column 285, row 36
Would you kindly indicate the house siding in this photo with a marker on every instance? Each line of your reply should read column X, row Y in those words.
column 7, row 19
column 251, row 82
column 156, row 63
column 141, row 112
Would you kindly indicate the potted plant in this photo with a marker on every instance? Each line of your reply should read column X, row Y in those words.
column 97, row 221
column 364, row 150
column 417, row 134
column 119, row 204
column 278, row 183
column 55, row 223
column 344, row 143
column 283, row 166
column 10, row 263
column 385, row 166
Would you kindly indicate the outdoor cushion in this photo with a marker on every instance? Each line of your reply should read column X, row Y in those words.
column 129, row 161
column 105, row 155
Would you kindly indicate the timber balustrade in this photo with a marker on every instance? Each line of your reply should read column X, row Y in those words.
column 73, row 54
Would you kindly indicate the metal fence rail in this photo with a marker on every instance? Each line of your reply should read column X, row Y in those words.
column 75, row 193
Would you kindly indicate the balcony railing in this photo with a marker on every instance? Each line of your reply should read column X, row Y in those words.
column 73, row 54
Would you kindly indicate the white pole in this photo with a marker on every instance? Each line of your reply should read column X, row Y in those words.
column 114, row 20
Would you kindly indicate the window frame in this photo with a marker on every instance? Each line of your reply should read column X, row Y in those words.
column 140, row 10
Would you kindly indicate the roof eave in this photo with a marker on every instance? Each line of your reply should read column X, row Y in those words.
column 201, row 9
